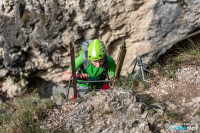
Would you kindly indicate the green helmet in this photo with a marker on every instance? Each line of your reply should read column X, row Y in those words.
column 96, row 50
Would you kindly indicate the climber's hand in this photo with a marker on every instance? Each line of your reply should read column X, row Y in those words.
column 83, row 76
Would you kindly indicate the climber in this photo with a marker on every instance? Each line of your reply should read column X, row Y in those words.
column 93, row 64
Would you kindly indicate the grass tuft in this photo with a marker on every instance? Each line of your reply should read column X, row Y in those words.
column 136, row 85
column 24, row 115
column 187, row 53
column 198, row 114
column 107, row 112
column 151, row 112
column 130, row 116
column 173, row 116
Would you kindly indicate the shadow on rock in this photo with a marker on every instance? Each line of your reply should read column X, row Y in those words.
column 48, row 89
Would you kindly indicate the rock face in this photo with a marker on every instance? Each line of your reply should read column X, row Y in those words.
column 118, row 110
column 114, row 110
column 108, row 111
column 35, row 34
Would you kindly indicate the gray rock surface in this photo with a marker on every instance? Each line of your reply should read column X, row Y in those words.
column 114, row 110
column 108, row 111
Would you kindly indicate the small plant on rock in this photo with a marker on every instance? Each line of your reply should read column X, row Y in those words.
column 145, row 85
column 107, row 112
column 127, row 82
column 181, row 2
column 198, row 114
column 151, row 112
column 21, row 84
column 130, row 116
column 55, row 1
column 93, row 93
column 173, row 116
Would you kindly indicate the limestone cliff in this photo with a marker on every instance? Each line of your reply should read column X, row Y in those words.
column 35, row 34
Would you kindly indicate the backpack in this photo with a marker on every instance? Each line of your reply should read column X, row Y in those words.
column 84, row 51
